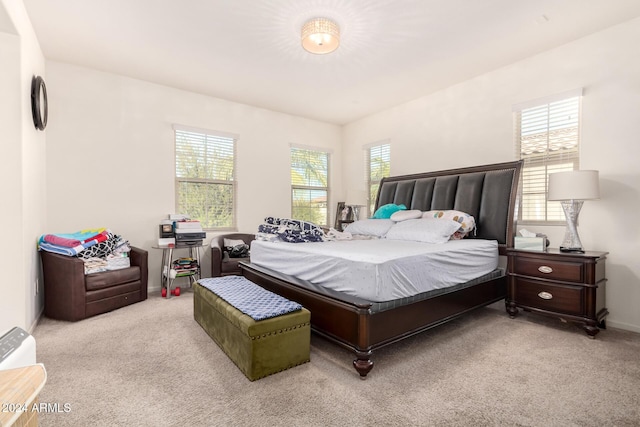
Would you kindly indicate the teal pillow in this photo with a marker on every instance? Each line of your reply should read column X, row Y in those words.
column 385, row 211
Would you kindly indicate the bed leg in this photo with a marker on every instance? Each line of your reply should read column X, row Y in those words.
column 363, row 363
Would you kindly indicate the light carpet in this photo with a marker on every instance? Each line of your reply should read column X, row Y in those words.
column 151, row 364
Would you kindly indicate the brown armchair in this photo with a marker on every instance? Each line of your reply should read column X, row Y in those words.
column 71, row 295
column 221, row 264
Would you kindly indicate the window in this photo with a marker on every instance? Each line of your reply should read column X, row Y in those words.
column 205, row 177
column 378, row 161
column 309, row 185
column 547, row 135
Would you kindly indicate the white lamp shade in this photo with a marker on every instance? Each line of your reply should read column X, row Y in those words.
column 574, row 185
column 356, row 198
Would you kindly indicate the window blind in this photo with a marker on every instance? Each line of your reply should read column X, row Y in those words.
column 309, row 185
column 378, row 161
column 548, row 140
column 205, row 181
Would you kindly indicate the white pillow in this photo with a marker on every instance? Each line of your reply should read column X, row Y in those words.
column 370, row 227
column 405, row 215
column 232, row 242
column 428, row 230
column 466, row 221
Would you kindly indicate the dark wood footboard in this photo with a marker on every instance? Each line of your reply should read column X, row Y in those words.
column 351, row 323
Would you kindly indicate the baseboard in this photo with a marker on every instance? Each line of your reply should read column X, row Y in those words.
column 36, row 321
column 622, row 325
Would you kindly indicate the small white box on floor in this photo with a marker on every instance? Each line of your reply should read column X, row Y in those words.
column 529, row 243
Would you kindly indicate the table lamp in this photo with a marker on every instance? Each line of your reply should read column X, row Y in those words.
column 572, row 189
column 356, row 199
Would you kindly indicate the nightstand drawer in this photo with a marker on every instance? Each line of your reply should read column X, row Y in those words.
column 550, row 269
column 545, row 296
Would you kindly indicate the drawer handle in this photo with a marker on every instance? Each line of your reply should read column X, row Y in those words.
column 545, row 295
column 545, row 269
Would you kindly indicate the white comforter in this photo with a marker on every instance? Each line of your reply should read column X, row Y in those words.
column 379, row 270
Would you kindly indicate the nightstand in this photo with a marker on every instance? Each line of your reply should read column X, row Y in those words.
column 570, row 286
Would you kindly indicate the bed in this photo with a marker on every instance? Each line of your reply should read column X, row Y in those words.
column 363, row 325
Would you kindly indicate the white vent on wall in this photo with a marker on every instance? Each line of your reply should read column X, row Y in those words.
column 17, row 349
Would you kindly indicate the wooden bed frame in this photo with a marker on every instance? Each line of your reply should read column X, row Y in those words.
column 487, row 192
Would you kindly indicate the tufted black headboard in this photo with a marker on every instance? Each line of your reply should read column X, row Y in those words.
column 487, row 192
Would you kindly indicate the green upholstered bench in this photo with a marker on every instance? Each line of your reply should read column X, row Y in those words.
column 258, row 348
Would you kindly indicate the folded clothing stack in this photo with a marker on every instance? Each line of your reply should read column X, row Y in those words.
column 99, row 248
column 71, row 244
column 185, row 265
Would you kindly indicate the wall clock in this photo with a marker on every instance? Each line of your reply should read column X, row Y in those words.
column 39, row 107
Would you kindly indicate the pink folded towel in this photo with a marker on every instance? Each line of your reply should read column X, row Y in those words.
column 72, row 243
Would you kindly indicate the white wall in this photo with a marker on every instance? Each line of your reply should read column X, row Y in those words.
column 12, row 303
column 23, row 171
column 471, row 123
column 34, row 184
column 106, row 158
column 110, row 154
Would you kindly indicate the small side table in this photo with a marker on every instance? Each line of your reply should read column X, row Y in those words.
column 562, row 284
column 168, row 274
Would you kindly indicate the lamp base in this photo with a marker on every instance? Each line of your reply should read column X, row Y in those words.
column 573, row 250
column 571, row 242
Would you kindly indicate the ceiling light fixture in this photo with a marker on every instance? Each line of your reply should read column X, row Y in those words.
column 320, row 36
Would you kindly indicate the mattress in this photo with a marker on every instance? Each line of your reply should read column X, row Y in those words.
column 379, row 270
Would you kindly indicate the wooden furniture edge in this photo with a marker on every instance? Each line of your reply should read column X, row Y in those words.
column 19, row 389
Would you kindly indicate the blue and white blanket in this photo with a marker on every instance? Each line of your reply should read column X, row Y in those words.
column 249, row 298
